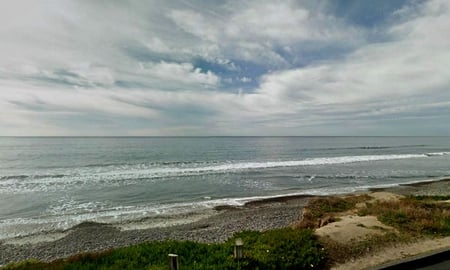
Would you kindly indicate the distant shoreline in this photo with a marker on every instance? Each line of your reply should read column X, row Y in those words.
column 233, row 136
column 431, row 186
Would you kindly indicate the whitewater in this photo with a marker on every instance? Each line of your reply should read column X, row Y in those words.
column 53, row 184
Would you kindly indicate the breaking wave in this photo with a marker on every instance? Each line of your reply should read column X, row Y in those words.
column 130, row 173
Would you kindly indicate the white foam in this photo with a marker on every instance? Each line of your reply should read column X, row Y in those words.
column 35, row 239
column 71, row 213
column 131, row 174
column 230, row 167
column 437, row 154
column 115, row 175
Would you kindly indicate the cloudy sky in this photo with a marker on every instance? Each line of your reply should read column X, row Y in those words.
column 312, row 67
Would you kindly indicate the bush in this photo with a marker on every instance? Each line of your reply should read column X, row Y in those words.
column 282, row 249
column 413, row 215
column 28, row 264
column 326, row 207
column 276, row 249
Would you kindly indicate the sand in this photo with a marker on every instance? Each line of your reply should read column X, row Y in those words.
column 346, row 230
column 395, row 253
column 351, row 228
column 262, row 215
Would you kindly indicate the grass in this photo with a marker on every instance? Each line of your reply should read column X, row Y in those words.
column 327, row 207
column 432, row 198
column 288, row 248
column 277, row 249
column 340, row 253
column 413, row 215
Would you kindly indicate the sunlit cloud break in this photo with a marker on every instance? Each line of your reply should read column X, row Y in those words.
column 224, row 67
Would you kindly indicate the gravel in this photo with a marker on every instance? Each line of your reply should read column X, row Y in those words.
column 88, row 237
column 263, row 215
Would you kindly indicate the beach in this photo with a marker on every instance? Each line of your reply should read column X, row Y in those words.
column 55, row 184
column 86, row 237
column 223, row 223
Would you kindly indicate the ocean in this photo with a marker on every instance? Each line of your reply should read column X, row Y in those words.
column 54, row 183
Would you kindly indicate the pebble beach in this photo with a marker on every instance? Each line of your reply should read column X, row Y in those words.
column 258, row 215
column 88, row 237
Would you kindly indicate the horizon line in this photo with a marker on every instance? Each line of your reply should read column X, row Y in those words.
column 206, row 136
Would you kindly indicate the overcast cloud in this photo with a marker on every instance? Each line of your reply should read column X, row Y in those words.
column 224, row 67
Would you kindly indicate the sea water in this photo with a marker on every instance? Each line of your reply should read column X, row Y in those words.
column 55, row 183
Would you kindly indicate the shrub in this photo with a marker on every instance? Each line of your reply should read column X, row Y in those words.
column 321, row 207
column 28, row 264
column 414, row 215
column 277, row 249
column 282, row 249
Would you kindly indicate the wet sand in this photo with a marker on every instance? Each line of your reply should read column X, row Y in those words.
column 258, row 215
column 262, row 215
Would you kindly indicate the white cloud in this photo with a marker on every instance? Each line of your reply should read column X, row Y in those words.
column 255, row 30
column 157, row 45
column 62, row 61
column 287, row 23
column 410, row 67
column 68, row 101
column 184, row 73
column 196, row 24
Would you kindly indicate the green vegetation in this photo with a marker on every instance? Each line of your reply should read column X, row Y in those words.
column 277, row 249
column 282, row 249
column 340, row 253
column 431, row 198
column 326, row 207
column 412, row 215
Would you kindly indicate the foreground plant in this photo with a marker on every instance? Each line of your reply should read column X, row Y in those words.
column 277, row 249
column 417, row 216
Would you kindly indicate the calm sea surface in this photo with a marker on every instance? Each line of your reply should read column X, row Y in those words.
column 55, row 183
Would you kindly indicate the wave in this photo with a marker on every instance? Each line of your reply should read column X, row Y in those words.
column 437, row 154
column 311, row 177
column 72, row 213
column 39, row 176
column 240, row 166
column 15, row 177
column 127, row 174
column 370, row 147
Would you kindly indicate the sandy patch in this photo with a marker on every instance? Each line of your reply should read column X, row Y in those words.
column 380, row 196
column 352, row 228
column 383, row 196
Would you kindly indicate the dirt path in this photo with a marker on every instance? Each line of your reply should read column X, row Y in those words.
column 395, row 253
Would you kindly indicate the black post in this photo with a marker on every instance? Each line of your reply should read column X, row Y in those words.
column 173, row 262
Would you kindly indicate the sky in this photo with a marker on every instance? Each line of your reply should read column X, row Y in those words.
column 219, row 68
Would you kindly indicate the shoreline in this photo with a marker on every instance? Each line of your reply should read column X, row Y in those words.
column 262, row 214
column 426, row 187
column 174, row 219
column 94, row 237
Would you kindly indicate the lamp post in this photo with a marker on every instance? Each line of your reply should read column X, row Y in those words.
column 238, row 246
